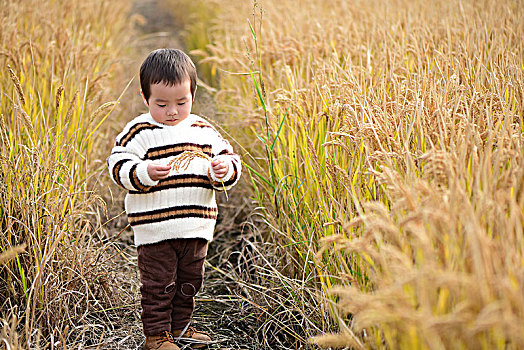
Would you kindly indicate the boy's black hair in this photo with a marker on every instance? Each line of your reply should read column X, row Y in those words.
column 168, row 66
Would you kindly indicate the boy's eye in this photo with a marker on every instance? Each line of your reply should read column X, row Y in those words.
column 162, row 106
column 181, row 103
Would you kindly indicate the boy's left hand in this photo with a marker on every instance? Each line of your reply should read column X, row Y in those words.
column 220, row 168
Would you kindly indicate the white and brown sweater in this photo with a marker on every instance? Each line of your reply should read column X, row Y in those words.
column 183, row 204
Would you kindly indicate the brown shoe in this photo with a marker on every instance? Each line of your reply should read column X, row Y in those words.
column 191, row 336
column 162, row 341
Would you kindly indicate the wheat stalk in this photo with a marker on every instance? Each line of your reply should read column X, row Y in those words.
column 58, row 96
column 11, row 253
column 181, row 162
column 16, row 81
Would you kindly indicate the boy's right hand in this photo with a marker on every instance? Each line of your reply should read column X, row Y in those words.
column 157, row 171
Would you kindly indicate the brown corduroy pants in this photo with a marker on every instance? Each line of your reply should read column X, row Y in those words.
column 171, row 273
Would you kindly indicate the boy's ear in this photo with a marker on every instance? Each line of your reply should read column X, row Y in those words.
column 194, row 93
column 144, row 98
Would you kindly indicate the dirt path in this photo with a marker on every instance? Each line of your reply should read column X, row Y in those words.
column 219, row 310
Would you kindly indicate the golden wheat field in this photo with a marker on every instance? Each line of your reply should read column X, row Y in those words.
column 58, row 61
column 382, row 145
column 386, row 147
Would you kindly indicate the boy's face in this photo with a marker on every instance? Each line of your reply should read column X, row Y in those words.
column 170, row 105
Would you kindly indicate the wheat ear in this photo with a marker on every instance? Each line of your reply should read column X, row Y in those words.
column 181, row 162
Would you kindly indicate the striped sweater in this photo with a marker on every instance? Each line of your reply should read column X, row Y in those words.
column 183, row 204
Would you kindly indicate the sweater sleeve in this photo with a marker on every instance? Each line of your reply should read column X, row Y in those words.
column 222, row 150
column 126, row 165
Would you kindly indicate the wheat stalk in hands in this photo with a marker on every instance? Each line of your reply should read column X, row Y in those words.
column 181, row 162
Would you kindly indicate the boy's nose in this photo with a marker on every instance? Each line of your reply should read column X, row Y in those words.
column 172, row 111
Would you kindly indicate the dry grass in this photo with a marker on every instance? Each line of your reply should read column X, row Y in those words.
column 385, row 141
column 59, row 63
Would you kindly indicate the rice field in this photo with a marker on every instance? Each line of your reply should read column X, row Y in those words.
column 383, row 143
column 60, row 69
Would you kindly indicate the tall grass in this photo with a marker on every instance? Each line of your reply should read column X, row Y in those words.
column 385, row 142
column 58, row 61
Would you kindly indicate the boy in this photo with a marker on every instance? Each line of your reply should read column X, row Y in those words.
column 172, row 211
